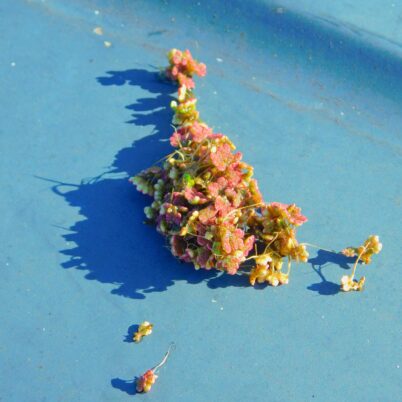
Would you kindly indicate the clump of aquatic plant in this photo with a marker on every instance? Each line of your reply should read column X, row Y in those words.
column 207, row 203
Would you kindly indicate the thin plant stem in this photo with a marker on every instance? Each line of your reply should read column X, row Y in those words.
column 318, row 247
column 356, row 262
column 289, row 266
column 164, row 360
column 247, row 206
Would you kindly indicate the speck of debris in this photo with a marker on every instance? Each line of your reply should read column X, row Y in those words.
column 342, row 114
column 221, row 308
column 43, row 329
column 323, row 317
column 13, row 64
column 98, row 31
column 219, row 60
column 107, row 43
column 215, row 93
column 96, row 12
column 213, row 301
column 280, row 10
column 398, row 366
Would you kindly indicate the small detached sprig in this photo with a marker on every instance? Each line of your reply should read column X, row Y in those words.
column 207, row 203
column 147, row 380
column 144, row 329
column 363, row 254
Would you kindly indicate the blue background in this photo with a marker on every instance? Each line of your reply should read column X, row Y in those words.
column 310, row 93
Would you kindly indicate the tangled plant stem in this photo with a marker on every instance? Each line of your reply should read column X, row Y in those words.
column 206, row 201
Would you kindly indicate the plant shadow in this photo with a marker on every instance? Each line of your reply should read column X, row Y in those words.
column 127, row 386
column 111, row 243
column 132, row 329
column 323, row 258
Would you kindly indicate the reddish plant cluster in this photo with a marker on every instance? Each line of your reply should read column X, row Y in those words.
column 206, row 201
column 145, row 382
column 182, row 68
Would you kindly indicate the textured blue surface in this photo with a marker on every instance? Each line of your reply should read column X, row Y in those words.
column 312, row 96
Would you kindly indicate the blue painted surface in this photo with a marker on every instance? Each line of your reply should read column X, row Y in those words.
column 313, row 104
